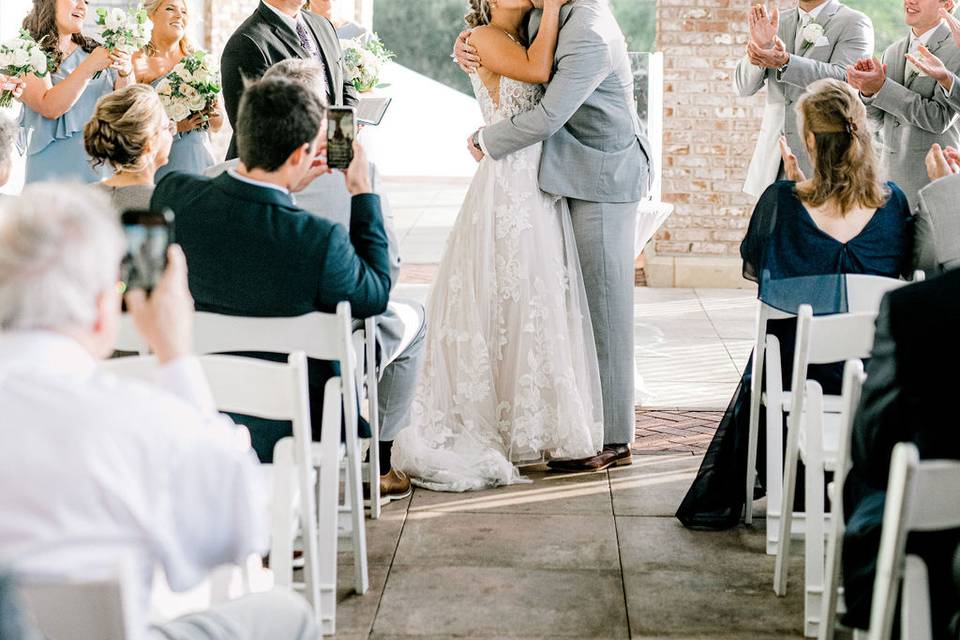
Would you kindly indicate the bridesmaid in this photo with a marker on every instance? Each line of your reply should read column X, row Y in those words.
column 57, row 107
column 167, row 47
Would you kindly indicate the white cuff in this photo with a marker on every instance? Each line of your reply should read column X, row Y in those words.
column 483, row 147
column 947, row 92
column 184, row 377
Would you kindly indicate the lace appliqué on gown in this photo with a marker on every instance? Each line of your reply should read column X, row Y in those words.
column 510, row 372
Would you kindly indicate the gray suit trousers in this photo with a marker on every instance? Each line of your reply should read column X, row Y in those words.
column 604, row 233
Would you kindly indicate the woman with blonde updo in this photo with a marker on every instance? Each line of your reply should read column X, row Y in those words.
column 131, row 133
column 168, row 46
column 58, row 105
column 804, row 236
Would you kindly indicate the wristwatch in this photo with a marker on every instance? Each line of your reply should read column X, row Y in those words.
column 783, row 69
column 476, row 140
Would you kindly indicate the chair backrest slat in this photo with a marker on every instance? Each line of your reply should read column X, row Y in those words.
column 841, row 337
column 865, row 292
column 933, row 503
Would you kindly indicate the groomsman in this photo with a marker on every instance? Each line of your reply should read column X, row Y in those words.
column 786, row 53
column 278, row 30
column 908, row 107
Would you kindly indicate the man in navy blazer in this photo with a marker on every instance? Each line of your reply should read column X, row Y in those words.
column 252, row 252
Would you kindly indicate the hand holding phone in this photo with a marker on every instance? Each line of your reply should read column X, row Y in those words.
column 358, row 173
column 148, row 234
column 165, row 319
column 341, row 134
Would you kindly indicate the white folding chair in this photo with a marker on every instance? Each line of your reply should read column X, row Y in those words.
column 813, row 436
column 853, row 379
column 921, row 496
column 323, row 337
column 365, row 342
column 275, row 391
column 864, row 293
column 83, row 609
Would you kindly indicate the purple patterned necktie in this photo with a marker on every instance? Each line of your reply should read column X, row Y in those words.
column 308, row 44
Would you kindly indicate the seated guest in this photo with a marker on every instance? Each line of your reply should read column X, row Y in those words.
column 842, row 220
column 253, row 252
column 108, row 468
column 129, row 131
column 8, row 131
column 907, row 106
column 402, row 328
column 937, row 219
column 906, row 398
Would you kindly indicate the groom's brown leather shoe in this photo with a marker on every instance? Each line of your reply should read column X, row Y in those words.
column 612, row 455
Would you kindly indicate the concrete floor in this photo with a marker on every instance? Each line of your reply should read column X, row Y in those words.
column 580, row 556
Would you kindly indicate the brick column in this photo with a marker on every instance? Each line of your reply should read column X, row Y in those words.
column 709, row 135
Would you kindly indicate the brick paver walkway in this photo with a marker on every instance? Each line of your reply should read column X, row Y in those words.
column 675, row 431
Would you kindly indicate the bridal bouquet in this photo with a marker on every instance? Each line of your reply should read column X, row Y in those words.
column 121, row 30
column 21, row 56
column 191, row 88
column 364, row 62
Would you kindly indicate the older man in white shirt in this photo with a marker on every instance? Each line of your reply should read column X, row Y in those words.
column 98, row 468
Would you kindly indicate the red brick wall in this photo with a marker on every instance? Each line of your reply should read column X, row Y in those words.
column 222, row 19
column 709, row 132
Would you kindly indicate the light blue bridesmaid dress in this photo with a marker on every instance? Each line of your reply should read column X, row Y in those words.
column 54, row 147
column 190, row 152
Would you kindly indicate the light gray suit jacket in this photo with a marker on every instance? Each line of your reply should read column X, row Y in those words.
column 913, row 113
column 849, row 37
column 594, row 148
column 937, row 233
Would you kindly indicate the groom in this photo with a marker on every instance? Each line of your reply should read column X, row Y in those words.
column 595, row 155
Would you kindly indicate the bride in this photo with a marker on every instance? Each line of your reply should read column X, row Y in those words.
column 510, row 374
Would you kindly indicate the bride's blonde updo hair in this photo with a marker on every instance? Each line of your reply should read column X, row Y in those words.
column 122, row 127
column 479, row 14
column 844, row 160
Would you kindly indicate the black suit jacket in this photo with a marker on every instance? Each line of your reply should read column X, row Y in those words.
column 907, row 398
column 252, row 252
column 264, row 40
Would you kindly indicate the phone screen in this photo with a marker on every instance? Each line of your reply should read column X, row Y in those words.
column 148, row 234
column 341, row 132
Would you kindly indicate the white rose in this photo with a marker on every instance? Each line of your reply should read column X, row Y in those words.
column 192, row 97
column 115, row 19
column 38, row 61
column 812, row 32
column 5, row 59
column 21, row 57
column 201, row 76
column 178, row 111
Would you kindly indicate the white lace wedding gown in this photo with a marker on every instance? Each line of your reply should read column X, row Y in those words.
column 510, row 373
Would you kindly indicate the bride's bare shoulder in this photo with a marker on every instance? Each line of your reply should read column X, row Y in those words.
column 490, row 39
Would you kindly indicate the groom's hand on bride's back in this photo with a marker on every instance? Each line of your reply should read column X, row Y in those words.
column 465, row 55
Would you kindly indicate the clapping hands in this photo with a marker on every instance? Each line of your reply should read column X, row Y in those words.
column 867, row 76
column 763, row 25
column 942, row 162
column 771, row 58
column 791, row 166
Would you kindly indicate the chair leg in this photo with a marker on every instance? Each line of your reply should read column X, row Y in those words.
column 755, row 393
column 373, row 402
column 281, row 542
column 813, row 543
column 831, row 582
column 774, row 475
column 357, row 515
column 786, row 505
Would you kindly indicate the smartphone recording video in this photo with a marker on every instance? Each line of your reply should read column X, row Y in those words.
column 148, row 235
column 341, row 132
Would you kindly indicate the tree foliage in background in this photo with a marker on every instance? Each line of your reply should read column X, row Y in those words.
column 422, row 33
column 887, row 16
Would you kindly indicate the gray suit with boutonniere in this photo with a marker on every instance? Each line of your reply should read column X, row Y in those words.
column 912, row 113
column 596, row 155
column 846, row 37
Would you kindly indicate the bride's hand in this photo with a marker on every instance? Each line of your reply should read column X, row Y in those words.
column 465, row 55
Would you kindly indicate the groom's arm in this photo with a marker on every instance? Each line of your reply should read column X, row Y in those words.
column 582, row 66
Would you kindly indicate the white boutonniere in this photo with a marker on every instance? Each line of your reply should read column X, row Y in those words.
column 812, row 34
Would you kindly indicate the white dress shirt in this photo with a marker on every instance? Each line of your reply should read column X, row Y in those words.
column 96, row 468
column 914, row 48
column 806, row 17
column 287, row 20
